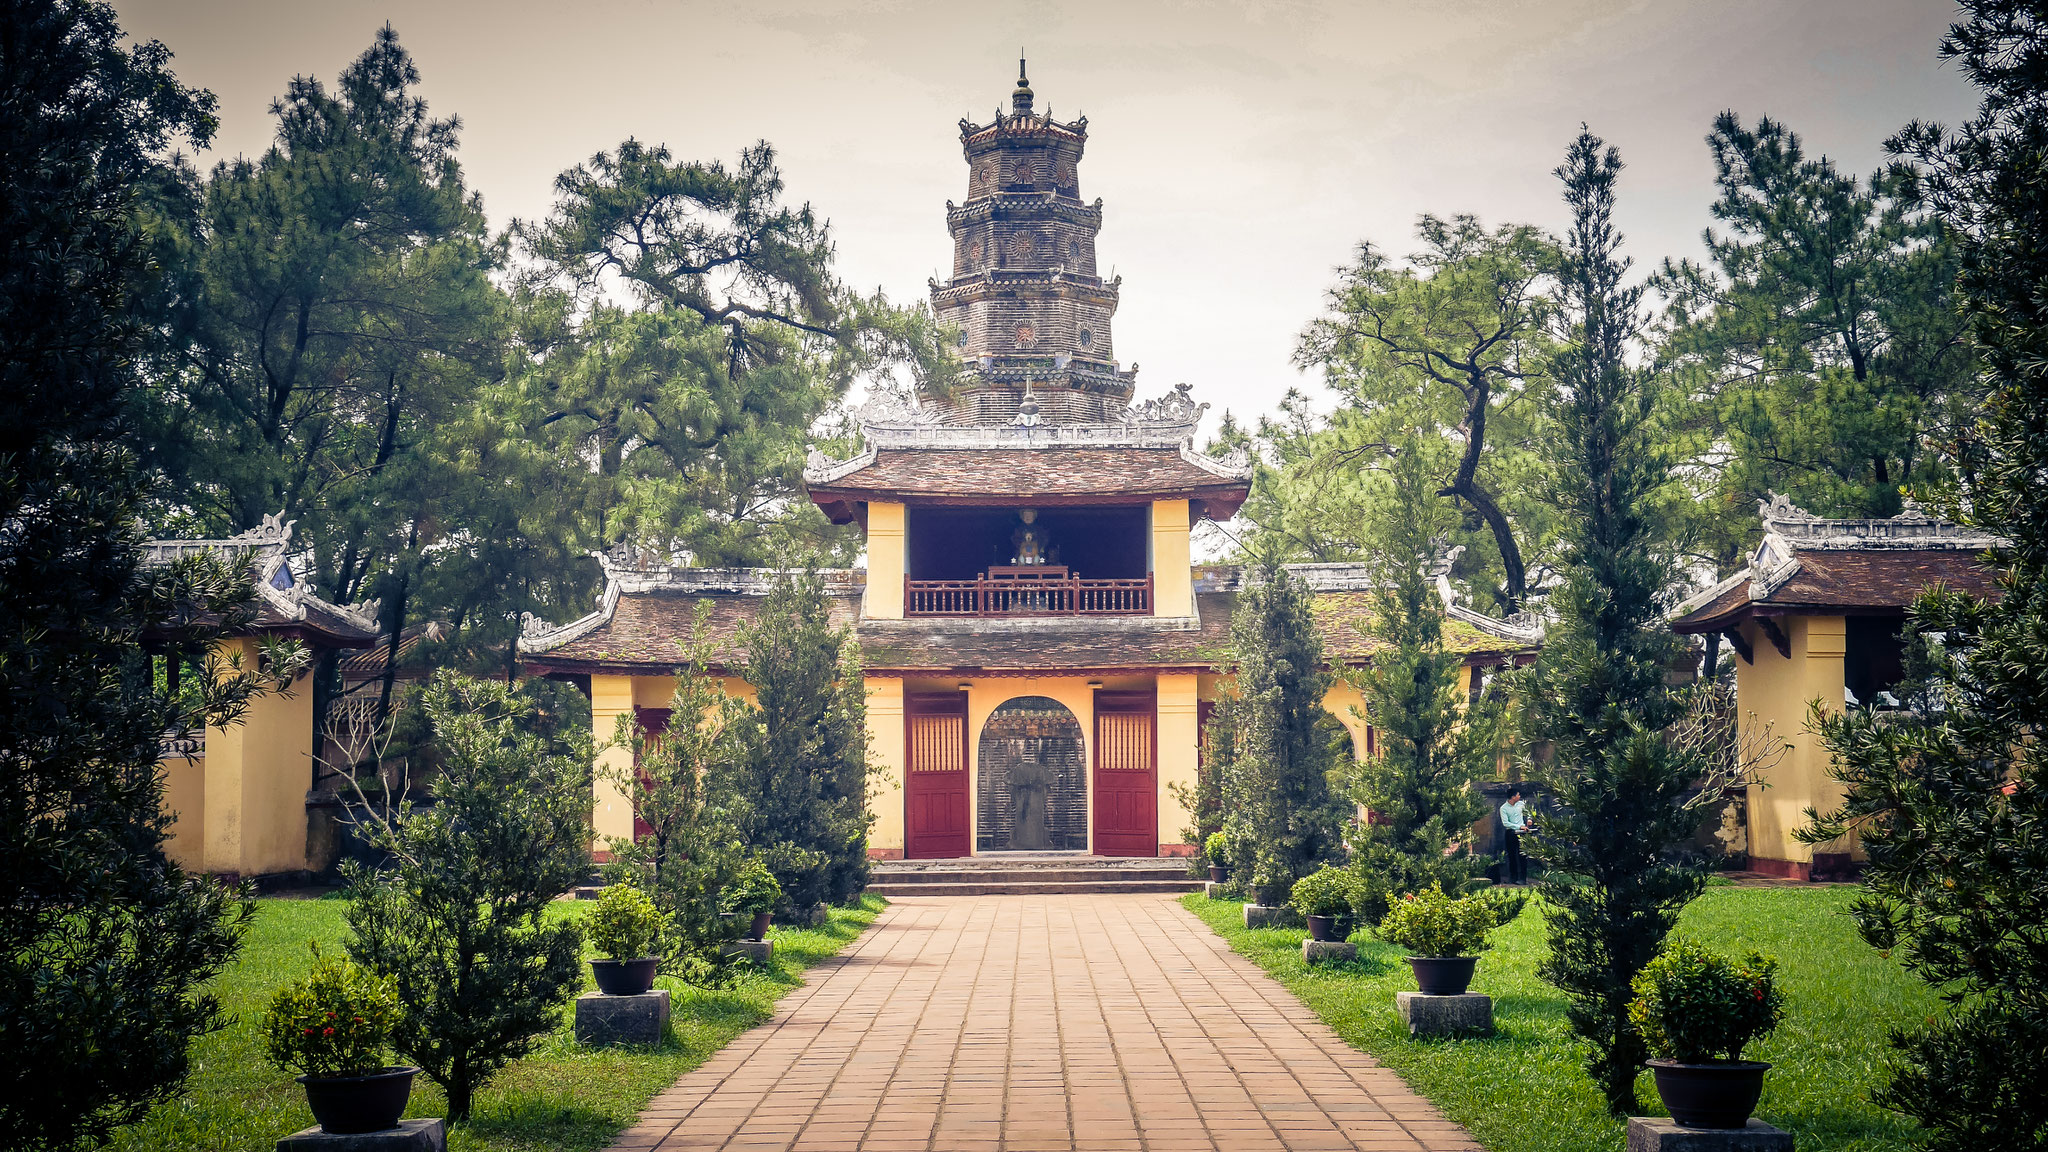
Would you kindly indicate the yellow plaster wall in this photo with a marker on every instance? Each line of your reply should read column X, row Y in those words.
column 886, row 748
column 886, row 561
column 1776, row 691
column 1344, row 702
column 256, row 776
column 1173, row 576
column 1179, row 746
column 185, row 800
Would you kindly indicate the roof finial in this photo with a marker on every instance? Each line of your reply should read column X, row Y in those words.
column 1020, row 100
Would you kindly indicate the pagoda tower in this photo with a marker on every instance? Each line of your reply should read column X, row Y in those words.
column 1032, row 311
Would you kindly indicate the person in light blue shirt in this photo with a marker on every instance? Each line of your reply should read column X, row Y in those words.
column 1514, row 820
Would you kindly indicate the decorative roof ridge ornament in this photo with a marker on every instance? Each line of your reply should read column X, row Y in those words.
column 891, row 407
column 1781, row 507
column 1027, row 409
column 1177, row 407
column 1789, row 529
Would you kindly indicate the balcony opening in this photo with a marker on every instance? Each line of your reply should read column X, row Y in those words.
column 1028, row 561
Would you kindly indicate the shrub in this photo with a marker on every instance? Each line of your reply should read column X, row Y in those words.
column 626, row 925
column 1217, row 849
column 459, row 916
column 1429, row 923
column 753, row 891
column 1328, row 892
column 1694, row 1006
column 336, row 1021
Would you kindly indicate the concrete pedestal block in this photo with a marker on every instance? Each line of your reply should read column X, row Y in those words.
column 1663, row 1134
column 756, row 950
column 1317, row 951
column 1215, row 890
column 429, row 1135
column 602, row 1019
column 1463, row 1015
column 1270, row 916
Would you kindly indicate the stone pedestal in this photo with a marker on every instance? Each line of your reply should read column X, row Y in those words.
column 410, row 1136
column 1468, row 1014
column 1317, row 951
column 1663, row 1134
column 1270, row 916
column 1215, row 890
column 602, row 1019
column 756, row 950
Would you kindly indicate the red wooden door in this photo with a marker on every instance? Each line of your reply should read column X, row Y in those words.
column 936, row 823
column 653, row 722
column 1126, row 774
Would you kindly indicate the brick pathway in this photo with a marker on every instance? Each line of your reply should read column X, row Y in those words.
column 1097, row 1023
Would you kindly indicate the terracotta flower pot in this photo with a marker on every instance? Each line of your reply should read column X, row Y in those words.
column 1216, row 873
column 760, row 925
column 349, row 1104
column 1717, row 1094
column 1443, row 975
column 1322, row 928
column 625, row 977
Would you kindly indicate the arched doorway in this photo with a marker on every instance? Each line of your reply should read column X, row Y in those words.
column 1032, row 779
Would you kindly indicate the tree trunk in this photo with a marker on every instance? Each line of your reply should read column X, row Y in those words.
column 1465, row 485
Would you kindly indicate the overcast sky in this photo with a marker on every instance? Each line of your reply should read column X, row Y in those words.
column 1241, row 149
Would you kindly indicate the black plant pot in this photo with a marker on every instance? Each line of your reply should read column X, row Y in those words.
column 1215, row 873
column 1443, row 975
column 1322, row 928
column 625, row 977
column 759, row 928
column 345, row 1105
column 1717, row 1094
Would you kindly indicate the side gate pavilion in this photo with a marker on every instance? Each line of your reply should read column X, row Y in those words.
column 1040, row 649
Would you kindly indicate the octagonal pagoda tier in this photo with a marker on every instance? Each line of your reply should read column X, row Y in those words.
column 1031, row 309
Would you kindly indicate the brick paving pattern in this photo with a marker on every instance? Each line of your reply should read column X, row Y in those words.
column 1029, row 1023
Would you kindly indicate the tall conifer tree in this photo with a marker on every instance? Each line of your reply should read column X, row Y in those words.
column 1598, row 693
column 1950, row 798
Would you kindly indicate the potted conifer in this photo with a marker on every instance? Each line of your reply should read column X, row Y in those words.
column 1696, row 1010
column 1444, row 935
column 1326, row 898
column 333, row 1027
column 754, row 893
column 1217, row 849
column 626, row 929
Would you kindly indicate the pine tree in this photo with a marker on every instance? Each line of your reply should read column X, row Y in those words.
column 804, row 775
column 1433, row 743
column 1597, row 692
column 1284, row 814
column 107, row 948
column 1950, row 798
column 458, row 916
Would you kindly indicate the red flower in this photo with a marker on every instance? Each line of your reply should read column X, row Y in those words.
column 327, row 1031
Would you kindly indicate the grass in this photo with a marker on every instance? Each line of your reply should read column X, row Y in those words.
column 562, row 1097
column 1525, row 1089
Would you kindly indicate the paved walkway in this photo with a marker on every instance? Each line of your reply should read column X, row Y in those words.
column 1099, row 1023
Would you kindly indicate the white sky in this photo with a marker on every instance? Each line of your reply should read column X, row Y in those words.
column 1241, row 149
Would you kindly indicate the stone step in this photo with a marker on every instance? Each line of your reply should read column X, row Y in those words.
column 1032, row 887
column 1005, row 875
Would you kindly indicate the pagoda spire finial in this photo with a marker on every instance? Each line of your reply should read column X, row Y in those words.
column 1020, row 99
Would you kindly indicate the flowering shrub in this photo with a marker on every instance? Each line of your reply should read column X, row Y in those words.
column 335, row 1022
column 1429, row 923
column 753, row 891
column 1328, row 892
column 625, row 924
column 1217, row 849
column 1693, row 1005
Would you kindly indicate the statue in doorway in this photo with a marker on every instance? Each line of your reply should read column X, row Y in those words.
column 1030, row 783
column 1030, row 543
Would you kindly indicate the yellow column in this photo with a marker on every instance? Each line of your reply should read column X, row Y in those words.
column 1173, row 577
column 611, row 809
column 1774, row 691
column 886, row 748
column 257, row 773
column 886, row 561
column 1179, row 746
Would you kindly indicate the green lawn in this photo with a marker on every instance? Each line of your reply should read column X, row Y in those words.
column 1524, row 1090
column 561, row 1097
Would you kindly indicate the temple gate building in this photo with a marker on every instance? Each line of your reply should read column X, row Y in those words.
column 1040, row 648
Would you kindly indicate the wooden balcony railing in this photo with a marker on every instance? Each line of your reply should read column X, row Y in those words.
column 1027, row 590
